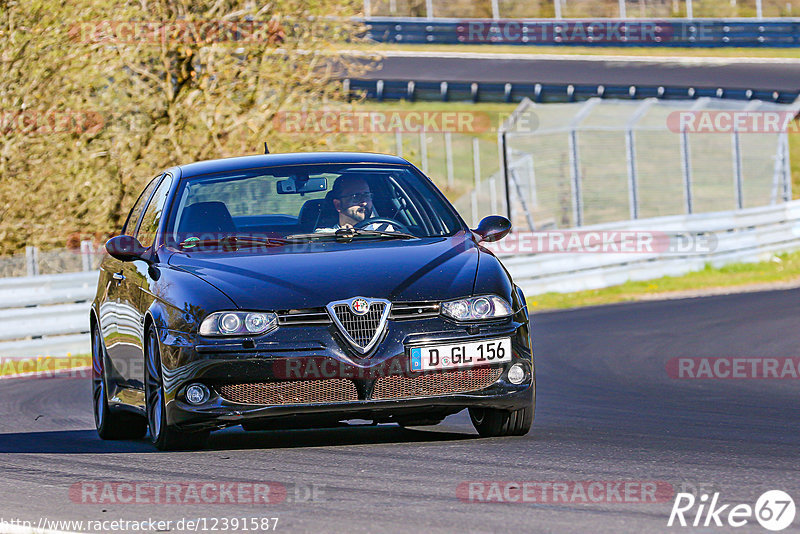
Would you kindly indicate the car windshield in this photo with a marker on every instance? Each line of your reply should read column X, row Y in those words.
column 277, row 205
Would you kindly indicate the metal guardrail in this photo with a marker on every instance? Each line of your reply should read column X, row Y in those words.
column 541, row 93
column 747, row 235
column 711, row 33
column 46, row 315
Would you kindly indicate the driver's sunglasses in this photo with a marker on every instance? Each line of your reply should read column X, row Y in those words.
column 357, row 198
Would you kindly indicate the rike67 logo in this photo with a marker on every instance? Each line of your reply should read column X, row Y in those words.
column 774, row 510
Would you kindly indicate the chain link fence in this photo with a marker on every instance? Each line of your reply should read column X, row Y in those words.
column 602, row 161
column 34, row 262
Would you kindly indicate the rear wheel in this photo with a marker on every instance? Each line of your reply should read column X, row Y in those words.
column 112, row 425
column 165, row 437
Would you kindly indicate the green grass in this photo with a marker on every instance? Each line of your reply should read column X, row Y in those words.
column 734, row 53
column 781, row 268
column 19, row 366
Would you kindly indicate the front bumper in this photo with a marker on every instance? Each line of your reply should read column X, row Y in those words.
column 218, row 362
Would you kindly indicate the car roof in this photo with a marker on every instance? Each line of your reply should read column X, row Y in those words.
column 294, row 158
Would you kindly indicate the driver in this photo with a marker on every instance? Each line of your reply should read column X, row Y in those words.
column 352, row 200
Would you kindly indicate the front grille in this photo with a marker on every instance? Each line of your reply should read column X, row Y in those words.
column 431, row 385
column 294, row 392
column 361, row 328
column 414, row 310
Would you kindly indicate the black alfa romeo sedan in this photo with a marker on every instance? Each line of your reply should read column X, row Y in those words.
column 304, row 290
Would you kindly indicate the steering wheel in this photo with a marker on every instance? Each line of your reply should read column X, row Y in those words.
column 400, row 227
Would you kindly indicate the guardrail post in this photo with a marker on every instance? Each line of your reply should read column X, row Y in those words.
column 633, row 192
column 557, row 7
column 575, row 175
column 737, row 168
column 503, row 146
column 689, row 10
column 367, row 9
column 87, row 254
column 687, row 170
column 622, row 13
column 429, row 9
column 473, row 197
column 32, row 260
column 630, row 153
column 448, row 154
column 759, row 12
column 495, row 10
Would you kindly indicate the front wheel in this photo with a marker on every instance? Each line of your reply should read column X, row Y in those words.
column 490, row 422
column 111, row 425
column 165, row 437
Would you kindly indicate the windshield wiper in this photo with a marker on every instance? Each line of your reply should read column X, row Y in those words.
column 348, row 234
column 232, row 242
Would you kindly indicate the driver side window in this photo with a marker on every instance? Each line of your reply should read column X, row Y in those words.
column 136, row 210
column 146, row 234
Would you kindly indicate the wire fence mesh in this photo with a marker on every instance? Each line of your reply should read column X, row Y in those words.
column 612, row 160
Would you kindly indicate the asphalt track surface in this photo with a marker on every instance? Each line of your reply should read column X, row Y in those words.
column 606, row 411
column 729, row 73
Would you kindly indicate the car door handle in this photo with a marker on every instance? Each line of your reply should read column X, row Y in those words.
column 119, row 277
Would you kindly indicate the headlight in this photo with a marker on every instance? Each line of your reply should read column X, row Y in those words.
column 236, row 323
column 476, row 308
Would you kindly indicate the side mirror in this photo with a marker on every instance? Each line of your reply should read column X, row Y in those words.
column 125, row 248
column 493, row 228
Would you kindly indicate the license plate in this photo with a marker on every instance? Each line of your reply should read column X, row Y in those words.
column 461, row 355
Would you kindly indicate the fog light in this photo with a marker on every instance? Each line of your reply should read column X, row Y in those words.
column 516, row 374
column 197, row 394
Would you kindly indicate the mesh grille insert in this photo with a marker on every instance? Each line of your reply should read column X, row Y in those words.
column 294, row 392
column 361, row 328
column 430, row 385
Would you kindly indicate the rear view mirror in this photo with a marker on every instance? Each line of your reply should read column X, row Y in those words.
column 493, row 228
column 295, row 186
column 125, row 248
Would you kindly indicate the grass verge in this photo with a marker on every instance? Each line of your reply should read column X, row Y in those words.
column 781, row 268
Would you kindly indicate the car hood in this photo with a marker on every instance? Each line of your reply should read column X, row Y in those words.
column 314, row 274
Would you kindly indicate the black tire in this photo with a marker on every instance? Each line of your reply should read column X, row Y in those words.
column 111, row 425
column 165, row 437
column 492, row 423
